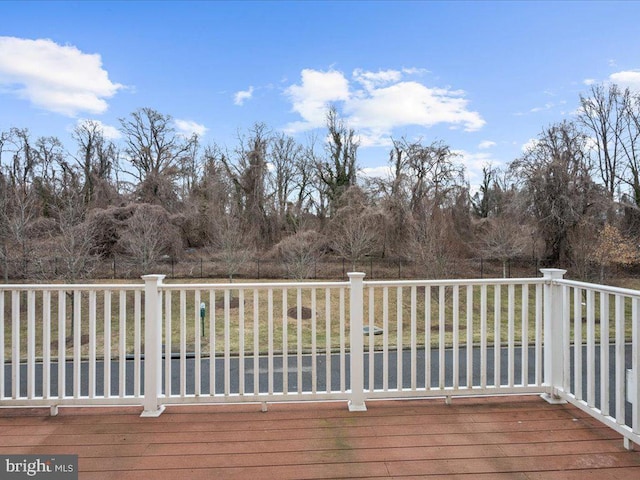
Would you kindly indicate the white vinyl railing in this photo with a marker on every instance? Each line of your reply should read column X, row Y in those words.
column 254, row 342
column 600, row 337
column 155, row 344
column 54, row 342
column 457, row 337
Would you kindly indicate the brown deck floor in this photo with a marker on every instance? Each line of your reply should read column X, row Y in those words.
column 475, row 438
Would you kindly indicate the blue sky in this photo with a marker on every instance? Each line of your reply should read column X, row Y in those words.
column 483, row 77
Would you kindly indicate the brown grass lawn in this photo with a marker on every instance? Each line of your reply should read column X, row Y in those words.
column 296, row 314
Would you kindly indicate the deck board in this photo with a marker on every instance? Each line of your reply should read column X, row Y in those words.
column 474, row 438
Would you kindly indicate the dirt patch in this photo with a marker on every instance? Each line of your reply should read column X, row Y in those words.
column 234, row 302
column 596, row 321
column 447, row 328
column 84, row 340
column 305, row 313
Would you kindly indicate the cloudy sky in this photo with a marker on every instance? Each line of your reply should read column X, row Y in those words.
column 483, row 77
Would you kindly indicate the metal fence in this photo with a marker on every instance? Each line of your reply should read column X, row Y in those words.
column 325, row 268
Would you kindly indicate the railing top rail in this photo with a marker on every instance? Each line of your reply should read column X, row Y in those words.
column 599, row 287
column 72, row 286
column 454, row 282
column 251, row 286
column 344, row 284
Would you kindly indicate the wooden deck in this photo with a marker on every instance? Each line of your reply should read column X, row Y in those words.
column 487, row 438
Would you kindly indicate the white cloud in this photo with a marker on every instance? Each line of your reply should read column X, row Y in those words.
column 486, row 144
column 473, row 163
column 376, row 103
column 371, row 80
column 529, row 144
column 110, row 132
column 410, row 103
column 591, row 143
column 189, row 127
column 627, row 79
column 589, row 81
column 311, row 98
column 374, row 139
column 383, row 172
column 547, row 106
column 54, row 77
column 415, row 71
column 242, row 96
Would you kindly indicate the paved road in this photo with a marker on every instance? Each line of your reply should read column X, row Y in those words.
column 306, row 370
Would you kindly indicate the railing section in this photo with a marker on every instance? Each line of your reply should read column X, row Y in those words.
column 71, row 344
column 102, row 344
column 255, row 342
column 601, row 338
column 462, row 337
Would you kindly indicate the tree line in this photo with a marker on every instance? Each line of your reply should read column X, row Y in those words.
column 570, row 200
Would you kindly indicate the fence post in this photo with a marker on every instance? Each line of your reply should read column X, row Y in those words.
column 356, row 301
column 152, row 345
column 553, row 332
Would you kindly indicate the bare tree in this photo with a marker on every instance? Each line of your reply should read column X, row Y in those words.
column 190, row 168
column 300, row 252
column 432, row 246
column 503, row 238
column 583, row 240
column 354, row 229
column 149, row 235
column 248, row 174
column 432, row 174
column 5, row 231
column 49, row 153
column 284, row 156
column 21, row 167
column 392, row 195
column 631, row 144
column 73, row 241
column 97, row 157
column 306, row 179
column 291, row 179
column 425, row 177
column 210, row 199
column 555, row 175
column 613, row 249
column 313, row 194
column 231, row 246
column 338, row 172
column 503, row 230
column 155, row 151
column 602, row 113
column 611, row 117
column 19, row 215
column 485, row 200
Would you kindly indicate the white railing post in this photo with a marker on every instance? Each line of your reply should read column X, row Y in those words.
column 356, row 323
column 152, row 345
column 553, row 332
